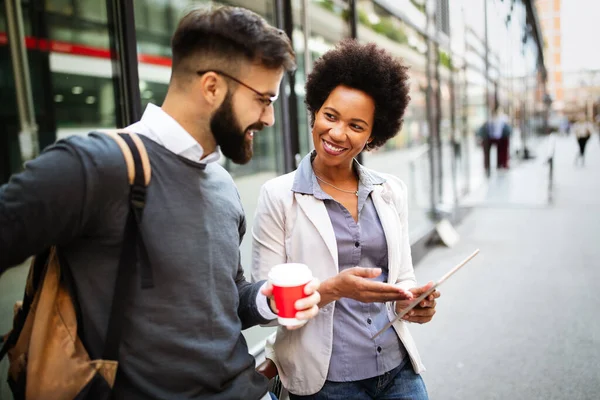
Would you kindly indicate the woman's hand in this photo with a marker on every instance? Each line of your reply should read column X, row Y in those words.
column 425, row 311
column 355, row 283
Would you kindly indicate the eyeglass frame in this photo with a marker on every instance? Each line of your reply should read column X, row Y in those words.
column 266, row 98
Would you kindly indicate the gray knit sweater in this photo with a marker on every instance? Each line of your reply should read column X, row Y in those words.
column 182, row 338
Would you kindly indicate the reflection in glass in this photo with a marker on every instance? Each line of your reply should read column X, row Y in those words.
column 327, row 25
column 407, row 154
column 379, row 26
column 83, row 103
column 69, row 66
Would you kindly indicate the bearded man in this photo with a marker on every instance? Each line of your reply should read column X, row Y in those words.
column 181, row 335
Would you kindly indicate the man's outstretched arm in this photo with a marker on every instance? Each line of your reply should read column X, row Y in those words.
column 41, row 206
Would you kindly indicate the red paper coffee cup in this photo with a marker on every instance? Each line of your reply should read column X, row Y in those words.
column 288, row 282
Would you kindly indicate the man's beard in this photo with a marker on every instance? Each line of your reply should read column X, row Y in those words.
column 228, row 134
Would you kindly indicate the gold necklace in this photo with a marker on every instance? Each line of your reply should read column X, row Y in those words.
column 337, row 188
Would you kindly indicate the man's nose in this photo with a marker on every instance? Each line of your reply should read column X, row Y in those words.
column 268, row 116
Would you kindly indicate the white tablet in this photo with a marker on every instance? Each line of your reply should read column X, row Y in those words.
column 422, row 297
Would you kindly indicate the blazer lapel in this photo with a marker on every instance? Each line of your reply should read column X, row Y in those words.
column 316, row 212
column 386, row 210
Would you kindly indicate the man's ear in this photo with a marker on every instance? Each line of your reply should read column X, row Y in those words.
column 213, row 88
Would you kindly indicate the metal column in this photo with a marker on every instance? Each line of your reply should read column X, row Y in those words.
column 289, row 103
column 28, row 135
column 123, row 44
column 430, row 122
column 353, row 23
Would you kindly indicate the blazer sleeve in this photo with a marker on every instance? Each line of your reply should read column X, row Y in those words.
column 248, row 310
column 268, row 233
column 268, row 237
column 406, row 276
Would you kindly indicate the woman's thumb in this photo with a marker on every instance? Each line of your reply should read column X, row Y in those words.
column 423, row 289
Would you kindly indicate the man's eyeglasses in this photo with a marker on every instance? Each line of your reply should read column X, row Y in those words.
column 266, row 98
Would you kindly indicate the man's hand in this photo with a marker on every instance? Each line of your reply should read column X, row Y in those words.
column 424, row 312
column 355, row 283
column 306, row 308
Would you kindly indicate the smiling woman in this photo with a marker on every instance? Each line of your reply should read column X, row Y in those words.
column 333, row 214
column 342, row 128
column 351, row 112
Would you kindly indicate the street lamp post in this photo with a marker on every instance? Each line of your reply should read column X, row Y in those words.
column 547, row 104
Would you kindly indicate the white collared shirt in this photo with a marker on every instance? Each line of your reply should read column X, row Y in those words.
column 159, row 126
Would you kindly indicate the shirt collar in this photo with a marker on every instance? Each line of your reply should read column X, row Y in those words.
column 163, row 129
column 305, row 181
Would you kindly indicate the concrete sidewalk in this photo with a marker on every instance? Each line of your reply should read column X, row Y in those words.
column 521, row 320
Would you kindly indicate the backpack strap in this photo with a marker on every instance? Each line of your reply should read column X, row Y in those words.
column 138, row 168
column 136, row 159
column 128, row 142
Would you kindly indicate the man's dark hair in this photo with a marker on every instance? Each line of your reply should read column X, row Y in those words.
column 368, row 68
column 229, row 35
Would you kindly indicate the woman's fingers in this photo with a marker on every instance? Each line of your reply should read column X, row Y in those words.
column 308, row 313
column 308, row 302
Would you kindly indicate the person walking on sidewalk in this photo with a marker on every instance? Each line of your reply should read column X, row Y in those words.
column 583, row 131
column 334, row 214
column 495, row 131
column 182, row 338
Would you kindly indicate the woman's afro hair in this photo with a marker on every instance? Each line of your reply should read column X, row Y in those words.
column 370, row 69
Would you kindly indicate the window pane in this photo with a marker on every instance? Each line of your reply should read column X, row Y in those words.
column 72, row 83
column 405, row 155
column 79, row 22
column 91, row 10
column 64, row 7
column 154, row 70
column 328, row 25
column 83, row 103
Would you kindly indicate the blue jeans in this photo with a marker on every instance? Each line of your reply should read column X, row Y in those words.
column 401, row 383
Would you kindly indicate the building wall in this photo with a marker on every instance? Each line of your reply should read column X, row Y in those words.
column 549, row 12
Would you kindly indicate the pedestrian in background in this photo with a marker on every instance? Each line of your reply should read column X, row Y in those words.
column 496, row 131
column 582, row 129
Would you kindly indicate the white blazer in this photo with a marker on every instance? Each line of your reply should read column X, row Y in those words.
column 295, row 227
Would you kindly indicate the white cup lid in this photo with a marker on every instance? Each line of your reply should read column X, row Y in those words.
column 291, row 274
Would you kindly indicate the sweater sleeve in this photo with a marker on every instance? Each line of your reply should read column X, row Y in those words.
column 248, row 311
column 42, row 206
column 60, row 196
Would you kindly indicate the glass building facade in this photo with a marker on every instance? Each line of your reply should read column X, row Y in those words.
column 71, row 66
